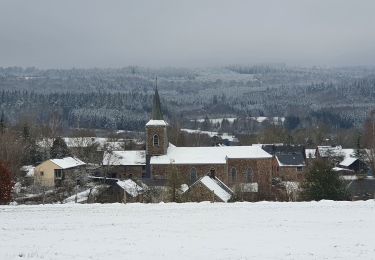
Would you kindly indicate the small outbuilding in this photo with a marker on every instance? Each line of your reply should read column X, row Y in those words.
column 208, row 188
column 52, row 172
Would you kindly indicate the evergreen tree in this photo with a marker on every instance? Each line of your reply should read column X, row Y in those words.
column 59, row 148
column 323, row 183
column 6, row 184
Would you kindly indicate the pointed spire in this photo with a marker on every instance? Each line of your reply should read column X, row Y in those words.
column 156, row 107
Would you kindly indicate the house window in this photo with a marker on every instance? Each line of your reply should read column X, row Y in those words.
column 193, row 175
column 234, row 174
column 155, row 140
column 41, row 173
column 299, row 169
column 58, row 174
column 249, row 175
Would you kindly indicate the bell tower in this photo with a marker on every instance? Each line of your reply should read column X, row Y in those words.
column 156, row 130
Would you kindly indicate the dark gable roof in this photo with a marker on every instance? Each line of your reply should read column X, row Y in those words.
column 290, row 159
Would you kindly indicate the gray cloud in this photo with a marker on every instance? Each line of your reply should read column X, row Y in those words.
column 90, row 33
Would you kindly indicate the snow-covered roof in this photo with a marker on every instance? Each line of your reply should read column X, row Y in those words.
column 209, row 155
column 288, row 160
column 67, row 162
column 348, row 161
column 137, row 157
column 28, row 169
column 310, row 153
column 215, row 185
column 132, row 188
column 156, row 123
column 339, row 169
column 334, row 151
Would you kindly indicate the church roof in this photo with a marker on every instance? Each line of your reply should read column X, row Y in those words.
column 208, row 155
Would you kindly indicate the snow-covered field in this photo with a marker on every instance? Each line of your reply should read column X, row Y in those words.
column 264, row 230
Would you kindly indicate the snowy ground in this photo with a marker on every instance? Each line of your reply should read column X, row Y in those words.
column 265, row 230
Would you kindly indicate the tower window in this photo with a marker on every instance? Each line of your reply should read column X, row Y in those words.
column 155, row 140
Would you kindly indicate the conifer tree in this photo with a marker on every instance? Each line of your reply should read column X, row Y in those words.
column 322, row 182
column 59, row 148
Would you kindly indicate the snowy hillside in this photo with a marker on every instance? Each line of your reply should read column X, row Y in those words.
column 265, row 230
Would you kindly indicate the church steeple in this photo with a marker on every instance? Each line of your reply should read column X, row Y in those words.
column 156, row 106
column 156, row 129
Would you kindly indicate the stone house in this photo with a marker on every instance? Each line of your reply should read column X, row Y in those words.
column 52, row 172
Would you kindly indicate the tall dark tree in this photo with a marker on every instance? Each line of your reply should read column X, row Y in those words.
column 59, row 148
column 323, row 183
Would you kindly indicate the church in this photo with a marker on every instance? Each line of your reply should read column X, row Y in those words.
column 238, row 167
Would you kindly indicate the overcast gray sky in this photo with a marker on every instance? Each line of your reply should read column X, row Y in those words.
column 91, row 33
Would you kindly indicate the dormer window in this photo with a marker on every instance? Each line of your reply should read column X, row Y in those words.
column 155, row 140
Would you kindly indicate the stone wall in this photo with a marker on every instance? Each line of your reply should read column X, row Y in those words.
column 261, row 173
column 161, row 149
column 161, row 171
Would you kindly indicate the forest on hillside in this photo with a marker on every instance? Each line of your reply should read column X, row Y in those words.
column 122, row 98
